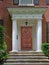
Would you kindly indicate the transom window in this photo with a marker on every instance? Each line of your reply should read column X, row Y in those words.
column 26, row 2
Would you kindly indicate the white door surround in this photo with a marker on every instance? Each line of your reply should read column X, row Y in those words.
column 26, row 13
column 14, row 29
column 26, row 16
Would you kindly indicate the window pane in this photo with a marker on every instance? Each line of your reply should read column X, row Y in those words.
column 1, row 22
column 36, row 1
column 16, row 2
column 47, row 1
column 26, row 1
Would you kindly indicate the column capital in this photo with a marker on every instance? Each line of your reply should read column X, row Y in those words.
column 14, row 20
column 40, row 20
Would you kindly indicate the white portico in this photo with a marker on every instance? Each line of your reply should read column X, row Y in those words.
column 34, row 22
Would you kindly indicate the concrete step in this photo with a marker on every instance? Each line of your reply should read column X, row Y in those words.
column 26, row 53
column 27, row 60
column 27, row 57
column 26, row 63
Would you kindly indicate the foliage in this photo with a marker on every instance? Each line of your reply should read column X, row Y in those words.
column 45, row 49
column 3, row 53
column 1, row 35
column 3, row 46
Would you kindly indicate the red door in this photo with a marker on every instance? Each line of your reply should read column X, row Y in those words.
column 26, row 38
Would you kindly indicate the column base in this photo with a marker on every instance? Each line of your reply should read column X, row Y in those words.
column 14, row 51
column 39, row 50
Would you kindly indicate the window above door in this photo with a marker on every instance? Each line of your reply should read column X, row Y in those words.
column 26, row 2
column 47, row 2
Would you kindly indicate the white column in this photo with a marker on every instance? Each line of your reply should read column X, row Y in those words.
column 39, row 35
column 14, row 34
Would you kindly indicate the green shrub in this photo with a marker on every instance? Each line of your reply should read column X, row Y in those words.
column 3, row 52
column 3, row 46
column 45, row 49
column 1, row 35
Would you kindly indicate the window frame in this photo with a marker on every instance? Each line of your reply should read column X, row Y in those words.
column 34, row 2
column 26, row 4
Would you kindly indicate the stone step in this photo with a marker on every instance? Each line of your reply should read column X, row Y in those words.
column 25, row 52
column 27, row 60
column 29, row 57
column 26, row 63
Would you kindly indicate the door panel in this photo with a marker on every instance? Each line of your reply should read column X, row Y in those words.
column 26, row 38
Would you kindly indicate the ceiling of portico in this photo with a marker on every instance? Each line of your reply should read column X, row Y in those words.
column 30, row 21
column 30, row 10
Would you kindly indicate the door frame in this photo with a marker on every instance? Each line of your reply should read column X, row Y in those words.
column 21, row 38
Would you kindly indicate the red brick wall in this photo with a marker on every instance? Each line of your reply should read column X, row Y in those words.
column 45, row 19
column 4, row 14
column 8, row 32
column 8, row 28
column 47, row 14
column 9, row 3
column 43, row 29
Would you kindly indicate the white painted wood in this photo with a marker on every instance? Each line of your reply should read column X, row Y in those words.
column 26, row 16
column 32, row 23
column 16, row 17
column 26, row 3
column 39, row 35
column 14, row 34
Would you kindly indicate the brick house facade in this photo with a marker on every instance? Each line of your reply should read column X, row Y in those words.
column 7, row 20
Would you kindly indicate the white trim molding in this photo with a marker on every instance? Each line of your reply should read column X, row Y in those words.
column 14, row 30
column 21, row 3
column 26, row 16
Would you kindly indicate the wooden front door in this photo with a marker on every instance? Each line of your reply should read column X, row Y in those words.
column 26, row 38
